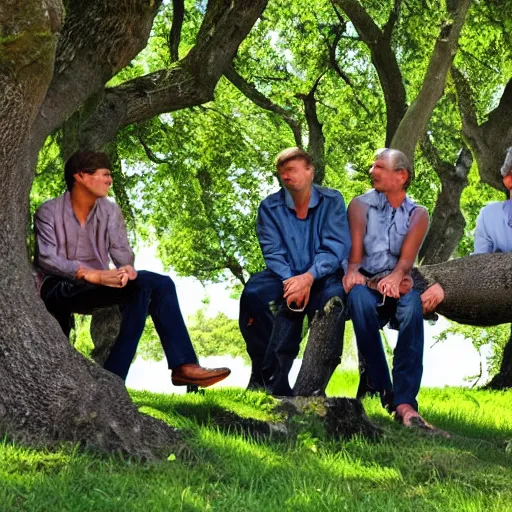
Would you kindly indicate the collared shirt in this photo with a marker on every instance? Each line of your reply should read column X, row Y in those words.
column 318, row 244
column 63, row 245
column 493, row 231
column 386, row 228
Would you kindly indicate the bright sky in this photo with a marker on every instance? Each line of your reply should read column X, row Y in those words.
column 445, row 364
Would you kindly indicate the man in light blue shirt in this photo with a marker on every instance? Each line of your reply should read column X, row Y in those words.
column 493, row 231
column 304, row 237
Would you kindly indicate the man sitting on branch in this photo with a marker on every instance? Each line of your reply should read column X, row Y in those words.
column 304, row 237
column 387, row 230
column 77, row 234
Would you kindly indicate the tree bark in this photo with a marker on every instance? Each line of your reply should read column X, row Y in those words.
column 489, row 140
column 316, row 142
column 189, row 82
column 384, row 60
column 323, row 351
column 48, row 392
column 448, row 223
column 414, row 123
column 477, row 288
column 503, row 379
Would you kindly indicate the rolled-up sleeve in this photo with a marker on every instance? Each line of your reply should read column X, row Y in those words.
column 334, row 241
column 47, row 258
column 119, row 249
column 272, row 247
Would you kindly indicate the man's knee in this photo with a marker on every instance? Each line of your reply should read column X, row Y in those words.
column 259, row 291
column 145, row 278
column 360, row 299
column 409, row 306
column 332, row 287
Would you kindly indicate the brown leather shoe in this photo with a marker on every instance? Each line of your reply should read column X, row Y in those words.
column 194, row 375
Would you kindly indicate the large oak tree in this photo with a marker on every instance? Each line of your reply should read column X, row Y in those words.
column 55, row 59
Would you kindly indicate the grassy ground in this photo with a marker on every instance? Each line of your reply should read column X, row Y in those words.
column 404, row 471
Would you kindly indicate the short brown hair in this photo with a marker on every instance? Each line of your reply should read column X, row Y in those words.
column 84, row 161
column 294, row 153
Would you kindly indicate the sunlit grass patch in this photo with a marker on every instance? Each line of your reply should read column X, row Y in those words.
column 225, row 471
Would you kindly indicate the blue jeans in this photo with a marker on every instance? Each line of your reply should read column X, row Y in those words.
column 404, row 313
column 150, row 294
column 273, row 340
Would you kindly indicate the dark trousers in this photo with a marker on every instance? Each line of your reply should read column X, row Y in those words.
column 149, row 294
column 273, row 337
column 406, row 315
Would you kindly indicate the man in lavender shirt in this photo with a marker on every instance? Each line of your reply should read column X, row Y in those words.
column 77, row 234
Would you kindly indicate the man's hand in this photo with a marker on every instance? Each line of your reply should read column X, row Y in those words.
column 132, row 273
column 390, row 285
column 431, row 298
column 351, row 278
column 298, row 288
column 115, row 278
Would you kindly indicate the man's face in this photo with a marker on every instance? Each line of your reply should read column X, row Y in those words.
column 507, row 181
column 385, row 178
column 295, row 175
column 97, row 183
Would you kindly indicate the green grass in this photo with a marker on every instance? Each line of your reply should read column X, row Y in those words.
column 404, row 471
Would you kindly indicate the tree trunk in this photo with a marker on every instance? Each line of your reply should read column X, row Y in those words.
column 448, row 223
column 48, row 391
column 503, row 379
column 415, row 121
column 323, row 351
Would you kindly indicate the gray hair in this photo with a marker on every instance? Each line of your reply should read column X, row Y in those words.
column 506, row 168
column 398, row 160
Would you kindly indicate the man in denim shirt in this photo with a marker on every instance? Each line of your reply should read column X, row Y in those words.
column 304, row 237
column 76, row 236
column 387, row 230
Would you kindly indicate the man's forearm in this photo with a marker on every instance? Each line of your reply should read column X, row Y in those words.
column 354, row 266
column 403, row 267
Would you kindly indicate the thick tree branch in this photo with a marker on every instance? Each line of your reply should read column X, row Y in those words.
column 467, row 107
column 249, row 90
column 191, row 81
column 489, row 140
column 178, row 15
column 383, row 58
column 413, row 125
column 99, row 38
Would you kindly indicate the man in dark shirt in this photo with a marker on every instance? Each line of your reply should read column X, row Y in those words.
column 76, row 236
column 304, row 237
